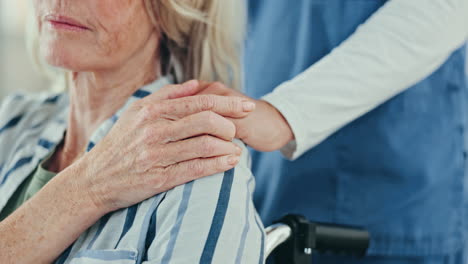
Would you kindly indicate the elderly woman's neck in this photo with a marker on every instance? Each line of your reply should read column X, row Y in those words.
column 96, row 96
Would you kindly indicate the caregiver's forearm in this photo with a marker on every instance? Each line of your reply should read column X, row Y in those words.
column 401, row 44
column 41, row 229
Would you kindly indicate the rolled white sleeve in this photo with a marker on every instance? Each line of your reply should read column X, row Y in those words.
column 401, row 44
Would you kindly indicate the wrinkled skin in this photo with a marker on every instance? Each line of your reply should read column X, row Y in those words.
column 116, row 31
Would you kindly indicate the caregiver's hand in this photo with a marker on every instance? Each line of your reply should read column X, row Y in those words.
column 265, row 129
column 160, row 143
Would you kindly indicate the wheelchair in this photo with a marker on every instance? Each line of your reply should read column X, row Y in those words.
column 293, row 239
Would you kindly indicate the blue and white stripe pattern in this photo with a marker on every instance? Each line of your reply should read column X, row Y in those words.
column 211, row 220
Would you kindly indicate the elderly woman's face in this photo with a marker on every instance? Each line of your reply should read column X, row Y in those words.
column 91, row 35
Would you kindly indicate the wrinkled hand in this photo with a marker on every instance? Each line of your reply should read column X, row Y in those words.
column 163, row 141
column 265, row 129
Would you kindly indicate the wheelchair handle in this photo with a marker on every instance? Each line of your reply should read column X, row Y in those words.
column 338, row 239
column 303, row 237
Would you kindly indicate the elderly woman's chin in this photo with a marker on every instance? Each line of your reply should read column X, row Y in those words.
column 67, row 56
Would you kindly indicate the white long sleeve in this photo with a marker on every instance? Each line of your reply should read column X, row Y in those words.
column 401, row 44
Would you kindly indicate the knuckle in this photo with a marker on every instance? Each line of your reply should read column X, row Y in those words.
column 164, row 157
column 218, row 85
column 211, row 119
column 166, row 107
column 205, row 115
column 196, row 168
column 146, row 157
column 208, row 120
column 152, row 156
column 208, row 145
column 143, row 113
column 206, row 102
column 164, row 133
column 149, row 111
column 235, row 105
column 218, row 88
column 150, row 133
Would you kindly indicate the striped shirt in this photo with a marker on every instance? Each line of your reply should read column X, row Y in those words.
column 211, row 220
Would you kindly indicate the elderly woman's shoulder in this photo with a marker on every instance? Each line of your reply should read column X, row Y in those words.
column 31, row 102
column 26, row 108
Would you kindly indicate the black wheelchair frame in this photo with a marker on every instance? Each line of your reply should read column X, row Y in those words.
column 293, row 240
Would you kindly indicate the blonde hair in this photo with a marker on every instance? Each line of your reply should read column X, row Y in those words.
column 203, row 36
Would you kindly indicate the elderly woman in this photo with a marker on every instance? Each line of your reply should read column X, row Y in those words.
column 90, row 175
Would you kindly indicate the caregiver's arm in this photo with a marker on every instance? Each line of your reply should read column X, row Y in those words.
column 398, row 46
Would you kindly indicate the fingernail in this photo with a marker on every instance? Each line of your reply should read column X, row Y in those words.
column 248, row 106
column 233, row 160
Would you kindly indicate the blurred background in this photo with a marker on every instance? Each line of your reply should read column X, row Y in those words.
column 17, row 72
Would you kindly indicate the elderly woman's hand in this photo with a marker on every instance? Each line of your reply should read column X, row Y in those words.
column 265, row 129
column 159, row 143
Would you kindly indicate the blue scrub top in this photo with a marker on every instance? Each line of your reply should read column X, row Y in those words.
column 398, row 170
